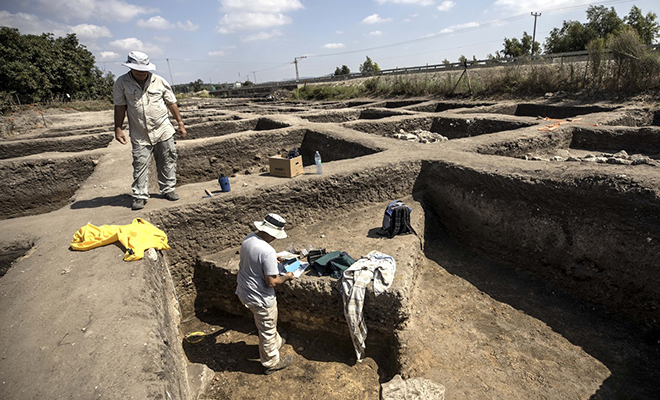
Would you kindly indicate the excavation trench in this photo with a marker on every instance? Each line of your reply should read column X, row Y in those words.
column 35, row 185
column 570, row 236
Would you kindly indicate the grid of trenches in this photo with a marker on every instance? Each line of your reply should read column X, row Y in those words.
column 628, row 136
column 524, row 281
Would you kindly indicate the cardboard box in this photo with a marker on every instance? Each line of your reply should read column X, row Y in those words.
column 285, row 167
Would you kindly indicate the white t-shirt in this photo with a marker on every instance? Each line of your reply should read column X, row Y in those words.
column 258, row 260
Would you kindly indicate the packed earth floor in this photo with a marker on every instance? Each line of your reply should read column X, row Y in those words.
column 531, row 274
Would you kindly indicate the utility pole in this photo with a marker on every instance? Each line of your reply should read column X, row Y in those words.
column 169, row 69
column 535, row 15
column 255, row 76
column 295, row 61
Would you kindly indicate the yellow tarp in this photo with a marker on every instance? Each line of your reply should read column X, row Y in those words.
column 136, row 237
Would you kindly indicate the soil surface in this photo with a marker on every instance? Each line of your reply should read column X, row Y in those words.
column 482, row 329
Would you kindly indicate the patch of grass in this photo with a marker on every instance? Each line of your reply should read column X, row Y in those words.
column 328, row 92
column 82, row 105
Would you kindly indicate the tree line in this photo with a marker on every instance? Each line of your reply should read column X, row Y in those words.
column 36, row 68
column 603, row 24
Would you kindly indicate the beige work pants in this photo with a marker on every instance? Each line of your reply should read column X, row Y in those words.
column 270, row 340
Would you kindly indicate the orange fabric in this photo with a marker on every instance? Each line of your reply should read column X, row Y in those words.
column 136, row 237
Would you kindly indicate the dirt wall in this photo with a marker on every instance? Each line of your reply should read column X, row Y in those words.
column 594, row 236
column 22, row 148
column 37, row 186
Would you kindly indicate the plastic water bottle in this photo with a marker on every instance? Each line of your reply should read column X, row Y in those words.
column 317, row 161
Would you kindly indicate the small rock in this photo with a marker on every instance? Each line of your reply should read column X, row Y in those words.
column 619, row 161
column 622, row 154
column 213, row 159
column 601, row 160
column 245, row 184
column 571, row 158
column 322, row 236
column 557, row 158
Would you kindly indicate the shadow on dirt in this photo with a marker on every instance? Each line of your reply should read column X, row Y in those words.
column 120, row 200
column 630, row 352
column 234, row 345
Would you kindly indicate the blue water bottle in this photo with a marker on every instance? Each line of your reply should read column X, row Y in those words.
column 224, row 183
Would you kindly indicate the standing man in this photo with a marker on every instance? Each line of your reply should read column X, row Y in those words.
column 147, row 97
column 258, row 274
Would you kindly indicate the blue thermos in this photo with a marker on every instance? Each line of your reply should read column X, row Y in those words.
column 224, row 183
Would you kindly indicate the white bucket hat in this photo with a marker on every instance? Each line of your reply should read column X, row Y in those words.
column 273, row 225
column 139, row 61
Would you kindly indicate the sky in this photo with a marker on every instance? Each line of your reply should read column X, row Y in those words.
column 221, row 41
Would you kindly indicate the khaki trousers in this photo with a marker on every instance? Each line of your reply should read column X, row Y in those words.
column 166, row 155
column 270, row 340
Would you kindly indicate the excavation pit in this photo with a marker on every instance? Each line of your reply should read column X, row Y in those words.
column 221, row 128
column 12, row 252
column 71, row 144
column 352, row 115
column 35, row 185
column 248, row 152
column 451, row 128
column 311, row 306
column 444, row 106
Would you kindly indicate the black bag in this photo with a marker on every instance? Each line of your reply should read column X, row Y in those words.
column 314, row 255
column 396, row 220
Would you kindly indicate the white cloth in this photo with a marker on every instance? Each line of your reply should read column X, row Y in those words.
column 377, row 266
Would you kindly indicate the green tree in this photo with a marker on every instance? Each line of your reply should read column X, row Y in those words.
column 42, row 67
column 344, row 70
column 603, row 23
column 369, row 67
column 516, row 48
column 646, row 26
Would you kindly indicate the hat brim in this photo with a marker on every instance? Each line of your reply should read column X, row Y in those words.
column 276, row 233
column 138, row 67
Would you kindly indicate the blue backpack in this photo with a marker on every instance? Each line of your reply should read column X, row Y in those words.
column 396, row 219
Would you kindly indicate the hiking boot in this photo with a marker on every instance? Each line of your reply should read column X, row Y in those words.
column 284, row 362
column 171, row 196
column 138, row 204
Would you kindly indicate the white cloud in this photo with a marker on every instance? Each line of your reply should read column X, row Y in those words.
column 156, row 22
column 246, row 22
column 340, row 32
column 523, row 6
column 420, row 2
column 261, row 36
column 334, row 46
column 109, row 56
column 223, row 51
column 375, row 33
column 375, row 19
column 115, row 10
column 454, row 28
column 187, row 26
column 90, row 32
column 161, row 23
column 32, row 24
column 129, row 44
column 260, row 6
column 241, row 15
column 446, row 5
